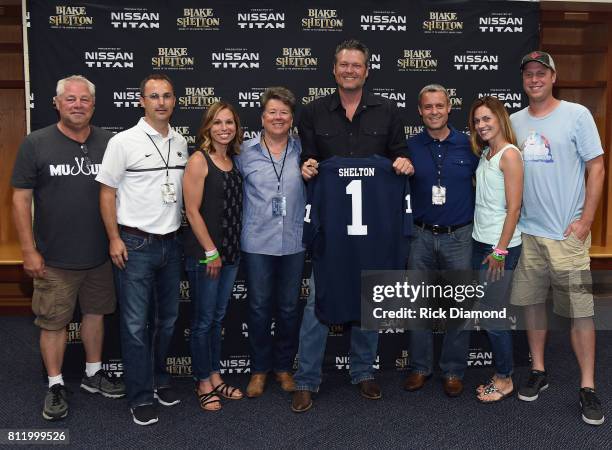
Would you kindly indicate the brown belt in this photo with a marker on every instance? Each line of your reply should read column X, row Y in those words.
column 144, row 234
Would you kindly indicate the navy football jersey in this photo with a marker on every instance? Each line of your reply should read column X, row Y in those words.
column 358, row 217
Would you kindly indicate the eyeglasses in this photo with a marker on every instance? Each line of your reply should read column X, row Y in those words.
column 156, row 96
column 86, row 158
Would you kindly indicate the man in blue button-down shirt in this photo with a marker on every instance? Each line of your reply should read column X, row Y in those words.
column 442, row 209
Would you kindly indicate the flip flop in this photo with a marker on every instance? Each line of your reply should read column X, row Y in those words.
column 491, row 388
column 226, row 391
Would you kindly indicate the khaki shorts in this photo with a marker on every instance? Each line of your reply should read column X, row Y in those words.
column 564, row 265
column 55, row 296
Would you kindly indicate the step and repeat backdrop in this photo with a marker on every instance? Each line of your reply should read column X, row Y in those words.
column 233, row 50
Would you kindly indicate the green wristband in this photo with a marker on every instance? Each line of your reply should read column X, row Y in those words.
column 210, row 258
column 497, row 257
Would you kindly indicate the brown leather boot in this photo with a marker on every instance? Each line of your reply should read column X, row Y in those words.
column 256, row 385
column 286, row 381
column 301, row 402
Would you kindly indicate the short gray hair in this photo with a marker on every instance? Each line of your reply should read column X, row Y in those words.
column 279, row 93
column 434, row 88
column 61, row 84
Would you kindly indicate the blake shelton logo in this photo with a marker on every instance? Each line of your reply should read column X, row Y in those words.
column 172, row 58
column 235, row 58
column 73, row 333
column 401, row 362
column 500, row 23
column 412, row 130
column 200, row 19
column 476, row 61
column 71, row 17
column 322, row 20
column 510, row 99
column 296, row 59
column 198, row 97
column 179, row 366
column 135, row 18
column 417, row 61
column 399, row 98
column 261, row 19
column 317, row 92
column 442, row 22
column 128, row 98
column 250, row 98
column 455, row 101
column 110, row 58
column 383, row 21
column 185, row 131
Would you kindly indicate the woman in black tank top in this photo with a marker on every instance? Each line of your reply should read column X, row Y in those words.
column 212, row 191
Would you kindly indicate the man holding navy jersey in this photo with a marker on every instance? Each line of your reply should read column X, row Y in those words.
column 351, row 123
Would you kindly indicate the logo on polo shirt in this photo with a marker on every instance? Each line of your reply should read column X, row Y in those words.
column 511, row 99
column 443, row 22
column 475, row 60
column 417, row 60
column 201, row 19
column 296, row 58
column 179, row 366
column 71, row 17
column 413, row 130
column 109, row 58
column 322, row 20
column 382, row 21
column 235, row 364
column 500, row 22
column 250, row 98
column 198, row 97
column 390, row 93
column 79, row 168
column 235, row 58
column 375, row 61
column 128, row 98
column 314, row 93
column 258, row 18
column 172, row 58
column 135, row 18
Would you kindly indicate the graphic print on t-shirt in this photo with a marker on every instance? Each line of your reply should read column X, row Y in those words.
column 536, row 148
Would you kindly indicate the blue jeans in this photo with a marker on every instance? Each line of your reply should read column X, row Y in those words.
column 209, row 299
column 313, row 337
column 443, row 251
column 496, row 296
column 274, row 284
column 148, row 295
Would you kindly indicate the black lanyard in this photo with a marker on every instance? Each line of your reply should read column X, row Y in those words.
column 278, row 176
column 437, row 161
column 166, row 162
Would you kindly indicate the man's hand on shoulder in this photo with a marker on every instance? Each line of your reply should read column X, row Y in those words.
column 403, row 166
column 309, row 169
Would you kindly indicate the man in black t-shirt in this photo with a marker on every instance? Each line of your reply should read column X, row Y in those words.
column 66, row 253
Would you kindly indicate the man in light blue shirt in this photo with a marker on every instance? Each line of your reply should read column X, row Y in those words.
column 559, row 141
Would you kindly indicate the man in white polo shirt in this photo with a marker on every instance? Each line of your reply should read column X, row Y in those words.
column 141, row 200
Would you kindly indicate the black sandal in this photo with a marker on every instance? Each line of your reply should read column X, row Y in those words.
column 227, row 391
column 206, row 399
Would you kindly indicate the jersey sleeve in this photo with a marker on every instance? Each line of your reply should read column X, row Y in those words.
column 311, row 213
column 407, row 208
column 25, row 170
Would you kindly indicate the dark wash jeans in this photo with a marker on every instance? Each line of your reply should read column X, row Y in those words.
column 443, row 251
column 209, row 300
column 496, row 296
column 148, row 296
column 274, row 284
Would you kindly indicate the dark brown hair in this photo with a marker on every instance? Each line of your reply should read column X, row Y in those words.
column 499, row 111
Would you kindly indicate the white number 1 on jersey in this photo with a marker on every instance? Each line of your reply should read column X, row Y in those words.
column 356, row 228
